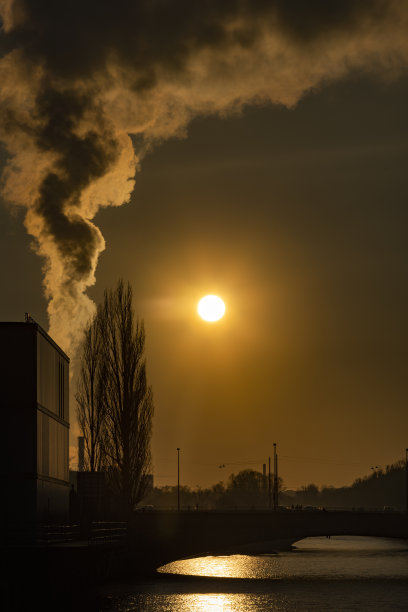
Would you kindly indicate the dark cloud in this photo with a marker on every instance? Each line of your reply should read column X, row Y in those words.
column 314, row 19
column 75, row 39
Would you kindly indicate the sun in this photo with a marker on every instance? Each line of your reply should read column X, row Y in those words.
column 211, row 308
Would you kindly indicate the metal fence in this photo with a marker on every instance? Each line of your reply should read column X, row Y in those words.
column 107, row 533
column 93, row 533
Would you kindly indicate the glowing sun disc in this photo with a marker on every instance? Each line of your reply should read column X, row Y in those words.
column 211, row 308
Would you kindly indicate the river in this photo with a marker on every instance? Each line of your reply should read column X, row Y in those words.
column 337, row 574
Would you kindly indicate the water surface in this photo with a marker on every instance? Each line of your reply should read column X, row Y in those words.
column 340, row 574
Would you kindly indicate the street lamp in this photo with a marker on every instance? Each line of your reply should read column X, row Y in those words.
column 406, row 479
column 275, row 478
column 178, row 480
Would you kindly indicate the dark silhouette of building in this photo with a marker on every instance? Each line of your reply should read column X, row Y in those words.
column 34, row 375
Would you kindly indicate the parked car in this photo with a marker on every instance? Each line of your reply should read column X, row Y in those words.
column 147, row 508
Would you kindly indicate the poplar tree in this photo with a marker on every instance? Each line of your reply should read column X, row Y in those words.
column 124, row 400
column 89, row 397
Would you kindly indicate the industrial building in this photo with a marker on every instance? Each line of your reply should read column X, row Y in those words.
column 34, row 375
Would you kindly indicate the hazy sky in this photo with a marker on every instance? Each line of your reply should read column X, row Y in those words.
column 288, row 201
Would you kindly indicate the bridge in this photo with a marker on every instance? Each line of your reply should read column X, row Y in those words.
column 156, row 538
column 161, row 537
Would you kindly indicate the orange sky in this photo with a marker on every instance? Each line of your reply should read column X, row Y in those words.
column 301, row 230
column 294, row 211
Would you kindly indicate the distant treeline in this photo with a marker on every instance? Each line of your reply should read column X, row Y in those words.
column 384, row 488
column 249, row 489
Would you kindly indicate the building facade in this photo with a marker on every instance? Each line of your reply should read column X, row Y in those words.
column 34, row 375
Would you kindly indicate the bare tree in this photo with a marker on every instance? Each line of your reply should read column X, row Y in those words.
column 90, row 397
column 128, row 401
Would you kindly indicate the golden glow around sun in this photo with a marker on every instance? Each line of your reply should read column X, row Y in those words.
column 211, row 308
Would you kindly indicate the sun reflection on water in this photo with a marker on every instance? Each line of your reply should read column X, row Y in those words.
column 234, row 602
column 337, row 558
column 206, row 602
column 217, row 603
column 232, row 566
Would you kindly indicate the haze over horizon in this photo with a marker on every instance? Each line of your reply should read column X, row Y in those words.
column 279, row 186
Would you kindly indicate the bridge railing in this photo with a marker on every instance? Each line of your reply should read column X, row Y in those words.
column 57, row 534
column 256, row 509
column 41, row 534
column 107, row 533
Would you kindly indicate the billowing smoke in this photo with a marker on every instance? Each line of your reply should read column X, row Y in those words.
column 80, row 79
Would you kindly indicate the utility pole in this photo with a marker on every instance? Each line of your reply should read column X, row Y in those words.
column 178, row 480
column 275, row 478
column 269, row 485
column 264, row 481
column 406, row 480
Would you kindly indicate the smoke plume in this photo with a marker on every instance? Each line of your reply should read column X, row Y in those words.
column 81, row 78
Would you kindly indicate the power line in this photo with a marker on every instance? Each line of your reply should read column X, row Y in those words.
column 284, row 458
column 291, row 459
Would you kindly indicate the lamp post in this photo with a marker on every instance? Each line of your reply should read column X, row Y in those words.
column 406, row 480
column 275, row 478
column 178, row 480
